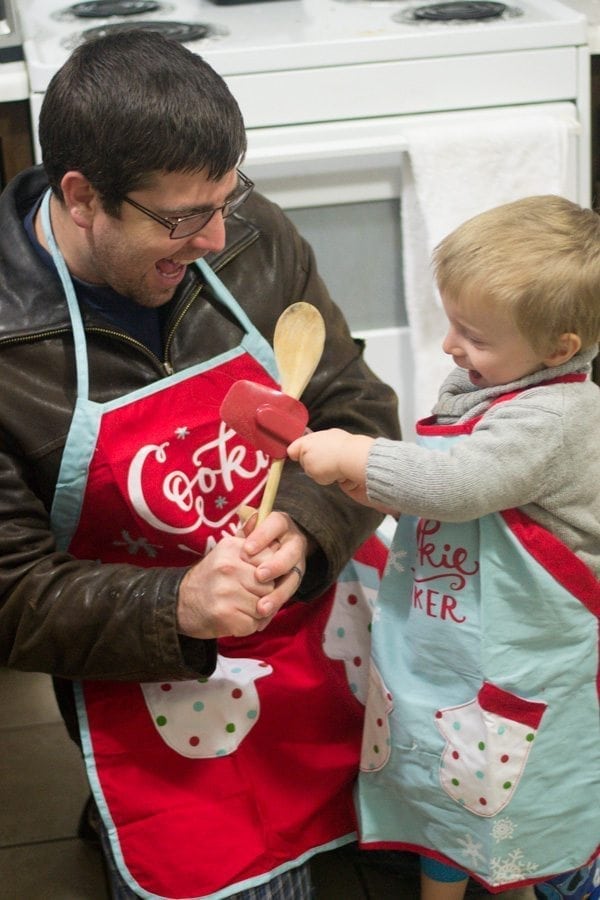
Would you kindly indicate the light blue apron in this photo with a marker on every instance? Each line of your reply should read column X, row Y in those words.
column 482, row 737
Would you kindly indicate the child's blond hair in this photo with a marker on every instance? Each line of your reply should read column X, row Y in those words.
column 538, row 257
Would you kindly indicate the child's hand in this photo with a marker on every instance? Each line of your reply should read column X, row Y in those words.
column 334, row 456
column 319, row 454
column 356, row 491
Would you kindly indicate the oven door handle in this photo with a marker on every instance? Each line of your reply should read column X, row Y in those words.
column 343, row 148
column 315, row 146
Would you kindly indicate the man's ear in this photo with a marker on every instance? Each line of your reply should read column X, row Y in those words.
column 80, row 198
column 567, row 345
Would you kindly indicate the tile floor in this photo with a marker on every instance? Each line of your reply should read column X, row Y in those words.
column 43, row 790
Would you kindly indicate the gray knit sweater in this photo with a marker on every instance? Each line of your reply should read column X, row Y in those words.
column 538, row 451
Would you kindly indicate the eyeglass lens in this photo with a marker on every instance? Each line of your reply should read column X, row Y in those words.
column 191, row 224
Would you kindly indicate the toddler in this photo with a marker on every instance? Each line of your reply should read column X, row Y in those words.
column 481, row 748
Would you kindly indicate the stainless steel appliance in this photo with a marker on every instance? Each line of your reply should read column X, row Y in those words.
column 13, row 77
column 10, row 35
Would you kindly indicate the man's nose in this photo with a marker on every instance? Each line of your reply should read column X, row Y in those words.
column 212, row 237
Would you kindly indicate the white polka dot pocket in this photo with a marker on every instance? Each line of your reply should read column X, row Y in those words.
column 211, row 716
column 488, row 742
column 376, row 742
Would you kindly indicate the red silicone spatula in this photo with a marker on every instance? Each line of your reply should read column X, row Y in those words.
column 264, row 416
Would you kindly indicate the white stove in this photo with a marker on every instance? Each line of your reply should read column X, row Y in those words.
column 287, row 35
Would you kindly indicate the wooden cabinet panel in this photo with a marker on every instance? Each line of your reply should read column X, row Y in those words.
column 16, row 152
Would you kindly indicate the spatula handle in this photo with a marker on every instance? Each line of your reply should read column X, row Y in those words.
column 268, row 497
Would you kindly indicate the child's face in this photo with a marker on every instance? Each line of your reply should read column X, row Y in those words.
column 486, row 342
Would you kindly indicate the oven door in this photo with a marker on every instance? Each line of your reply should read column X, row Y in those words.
column 342, row 184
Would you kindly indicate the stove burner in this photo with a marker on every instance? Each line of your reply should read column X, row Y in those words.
column 457, row 13
column 100, row 9
column 177, row 31
column 464, row 10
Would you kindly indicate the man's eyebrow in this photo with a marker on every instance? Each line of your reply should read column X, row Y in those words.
column 185, row 211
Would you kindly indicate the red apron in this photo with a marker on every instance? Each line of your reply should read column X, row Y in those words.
column 208, row 787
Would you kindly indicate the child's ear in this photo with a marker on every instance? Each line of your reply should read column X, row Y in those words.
column 567, row 345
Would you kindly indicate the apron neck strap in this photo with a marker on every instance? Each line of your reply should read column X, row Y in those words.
column 81, row 360
column 224, row 295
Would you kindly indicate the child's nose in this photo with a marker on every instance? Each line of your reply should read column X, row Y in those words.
column 450, row 344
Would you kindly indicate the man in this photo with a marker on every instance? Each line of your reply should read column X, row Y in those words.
column 218, row 770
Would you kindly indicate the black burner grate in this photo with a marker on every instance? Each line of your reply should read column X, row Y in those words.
column 459, row 10
column 100, row 9
column 178, row 31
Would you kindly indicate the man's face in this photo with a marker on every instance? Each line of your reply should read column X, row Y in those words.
column 135, row 255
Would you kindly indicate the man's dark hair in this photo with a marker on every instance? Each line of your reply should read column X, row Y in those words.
column 130, row 104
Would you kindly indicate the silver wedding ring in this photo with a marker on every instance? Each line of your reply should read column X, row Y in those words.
column 298, row 572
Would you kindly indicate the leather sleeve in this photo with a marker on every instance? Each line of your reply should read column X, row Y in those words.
column 75, row 618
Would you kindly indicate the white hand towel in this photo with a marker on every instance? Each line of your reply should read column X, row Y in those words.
column 453, row 171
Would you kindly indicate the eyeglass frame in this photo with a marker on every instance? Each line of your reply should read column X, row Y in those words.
column 226, row 210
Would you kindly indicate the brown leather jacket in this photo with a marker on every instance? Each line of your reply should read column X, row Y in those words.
column 77, row 619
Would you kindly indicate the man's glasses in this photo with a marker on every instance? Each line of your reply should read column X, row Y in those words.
column 185, row 226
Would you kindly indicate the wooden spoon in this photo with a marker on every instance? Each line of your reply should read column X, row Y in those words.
column 298, row 344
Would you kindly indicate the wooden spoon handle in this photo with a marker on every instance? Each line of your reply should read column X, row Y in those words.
column 271, row 486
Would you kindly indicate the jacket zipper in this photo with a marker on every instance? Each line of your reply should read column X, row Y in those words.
column 173, row 328
column 41, row 335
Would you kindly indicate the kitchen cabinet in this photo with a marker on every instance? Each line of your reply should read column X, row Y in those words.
column 16, row 149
